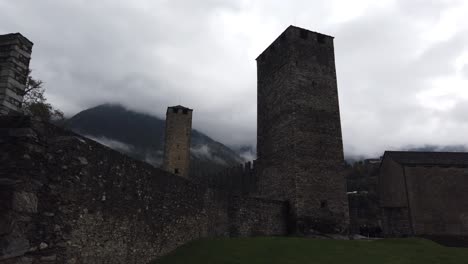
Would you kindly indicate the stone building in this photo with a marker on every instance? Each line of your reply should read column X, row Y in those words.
column 299, row 142
column 15, row 54
column 177, row 140
column 424, row 193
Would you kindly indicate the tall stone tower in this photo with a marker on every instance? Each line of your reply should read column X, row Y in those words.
column 299, row 143
column 177, row 142
column 15, row 54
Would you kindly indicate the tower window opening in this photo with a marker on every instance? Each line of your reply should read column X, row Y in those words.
column 176, row 171
column 185, row 111
column 175, row 110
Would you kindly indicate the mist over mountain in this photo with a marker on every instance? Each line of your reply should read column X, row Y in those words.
column 434, row 148
column 141, row 136
column 246, row 152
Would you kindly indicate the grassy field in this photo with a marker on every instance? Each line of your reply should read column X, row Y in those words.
column 290, row 250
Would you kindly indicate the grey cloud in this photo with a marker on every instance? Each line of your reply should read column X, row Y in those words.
column 440, row 58
column 248, row 156
column 465, row 71
column 148, row 55
column 146, row 58
column 458, row 114
column 155, row 159
column 383, row 66
column 204, row 152
column 425, row 9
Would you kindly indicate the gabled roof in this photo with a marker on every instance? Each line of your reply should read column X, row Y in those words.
column 428, row 158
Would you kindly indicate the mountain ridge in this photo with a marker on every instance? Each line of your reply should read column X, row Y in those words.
column 141, row 136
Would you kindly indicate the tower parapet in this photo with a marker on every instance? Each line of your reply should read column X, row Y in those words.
column 238, row 180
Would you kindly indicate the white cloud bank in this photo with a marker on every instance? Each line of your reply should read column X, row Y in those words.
column 401, row 64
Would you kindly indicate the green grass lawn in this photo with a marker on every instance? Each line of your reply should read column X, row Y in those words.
column 289, row 250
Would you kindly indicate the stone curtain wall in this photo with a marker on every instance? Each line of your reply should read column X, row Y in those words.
column 68, row 199
column 250, row 216
column 238, row 180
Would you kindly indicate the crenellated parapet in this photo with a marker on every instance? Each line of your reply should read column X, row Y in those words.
column 240, row 180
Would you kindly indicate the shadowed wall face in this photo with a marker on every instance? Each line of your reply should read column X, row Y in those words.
column 177, row 143
column 299, row 138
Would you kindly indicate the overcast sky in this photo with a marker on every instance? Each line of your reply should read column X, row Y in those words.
column 402, row 65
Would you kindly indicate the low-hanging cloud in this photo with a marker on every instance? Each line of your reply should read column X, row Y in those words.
column 113, row 144
column 401, row 65
column 204, row 152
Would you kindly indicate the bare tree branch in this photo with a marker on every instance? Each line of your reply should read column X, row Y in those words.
column 35, row 104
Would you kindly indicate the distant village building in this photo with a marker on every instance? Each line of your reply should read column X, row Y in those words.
column 15, row 54
column 424, row 193
column 177, row 140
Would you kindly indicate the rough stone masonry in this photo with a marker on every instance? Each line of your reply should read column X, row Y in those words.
column 15, row 54
column 67, row 199
column 299, row 143
column 177, row 140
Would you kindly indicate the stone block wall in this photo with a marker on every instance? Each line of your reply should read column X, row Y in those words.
column 238, row 180
column 299, row 142
column 421, row 198
column 177, row 140
column 251, row 216
column 15, row 55
column 396, row 222
column 364, row 214
column 68, row 199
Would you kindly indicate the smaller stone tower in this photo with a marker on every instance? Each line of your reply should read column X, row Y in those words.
column 15, row 54
column 177, row 142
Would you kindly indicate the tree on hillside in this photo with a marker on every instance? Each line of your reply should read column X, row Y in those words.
column 35, row 104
